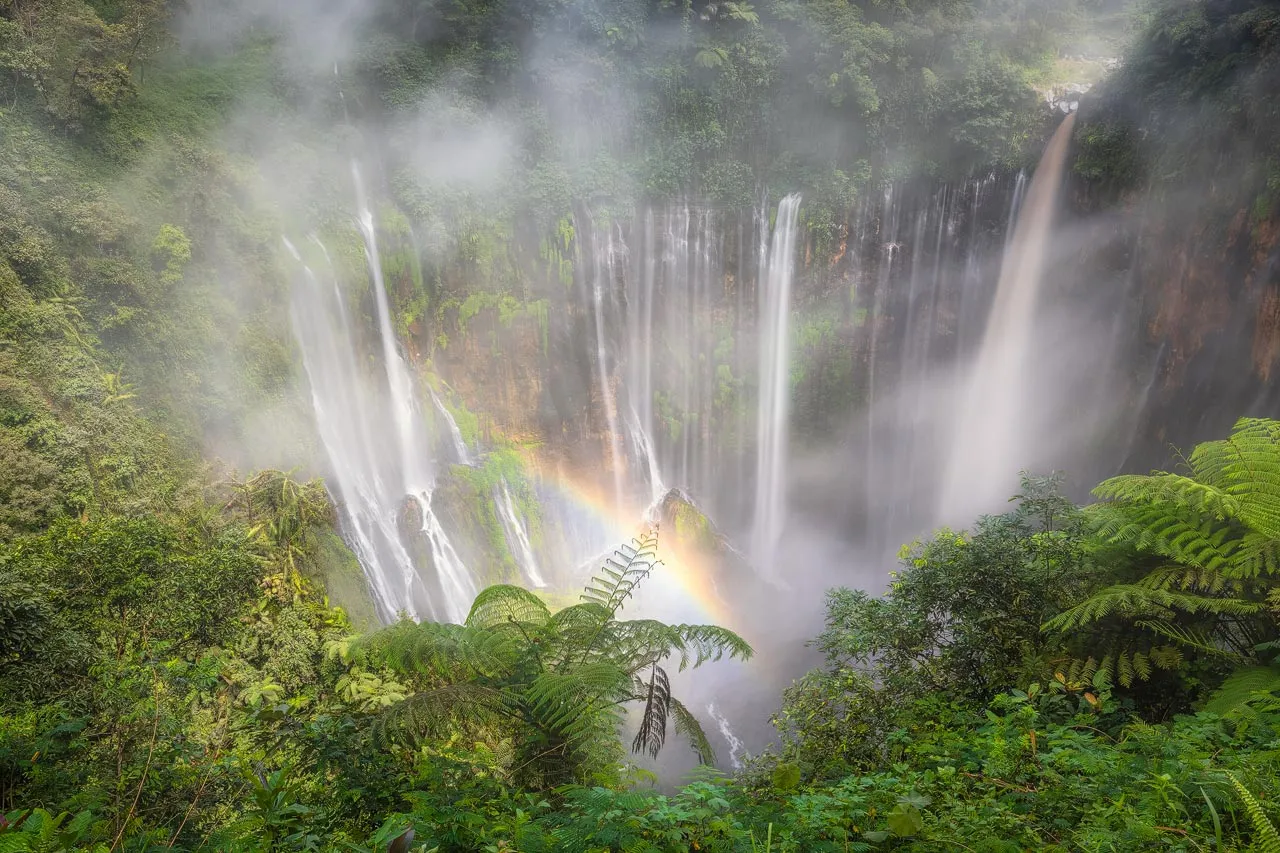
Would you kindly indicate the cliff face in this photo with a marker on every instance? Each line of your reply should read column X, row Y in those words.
column 623, row 352
column 1176, row 186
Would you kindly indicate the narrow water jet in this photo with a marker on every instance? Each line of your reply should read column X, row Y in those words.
column 774, row 404
column 455, row 434
column 517, row 536
column 990, row 442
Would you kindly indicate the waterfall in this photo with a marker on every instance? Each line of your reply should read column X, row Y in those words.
column 455, row 434
column 604, row 270
column 989, row 442
column 773, row 408
column 735, row 743
column 415, row 470
column 380, row 480
column 517, row 535
column 358, row 472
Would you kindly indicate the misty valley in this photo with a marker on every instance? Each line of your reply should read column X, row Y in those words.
column 433, row 426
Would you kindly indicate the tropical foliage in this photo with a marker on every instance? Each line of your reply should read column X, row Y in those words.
column 552, row 684
column 1203, row 546
column 174, row 672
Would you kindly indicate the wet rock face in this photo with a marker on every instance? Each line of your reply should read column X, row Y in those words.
column 1193, row 268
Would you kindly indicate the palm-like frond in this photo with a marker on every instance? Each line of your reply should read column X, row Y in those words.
column 504, row 604
column 655, row 693
column 687, row 725
column 437, row 713
column 622, row 573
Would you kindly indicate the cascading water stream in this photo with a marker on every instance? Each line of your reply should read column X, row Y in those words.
column 416, row 471
column 773, row 411
column 359, row 475
column 605, row 255
column 986, row 451
column 517, row 535
column 375, row 487
column 455, row 434
column 736, row 746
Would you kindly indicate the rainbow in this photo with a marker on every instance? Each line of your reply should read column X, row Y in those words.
column 682, row 577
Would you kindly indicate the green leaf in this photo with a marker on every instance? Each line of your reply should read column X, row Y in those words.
column 905, row 821
column 786, row 777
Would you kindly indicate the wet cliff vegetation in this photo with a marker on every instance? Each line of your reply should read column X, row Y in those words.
column 1179, row 152
column 174, row 669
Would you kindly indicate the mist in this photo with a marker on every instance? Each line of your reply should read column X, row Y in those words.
column 554, row 288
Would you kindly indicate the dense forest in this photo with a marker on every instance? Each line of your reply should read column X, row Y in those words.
column 190, row 658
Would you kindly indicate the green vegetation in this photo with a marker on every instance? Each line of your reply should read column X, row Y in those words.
column 549, row 686
column 1189, row 91
column 174, row 672
column 206, row 696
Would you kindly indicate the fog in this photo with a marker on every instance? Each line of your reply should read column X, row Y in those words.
column 632, row 351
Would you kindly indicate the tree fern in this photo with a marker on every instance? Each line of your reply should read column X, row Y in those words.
column 1245, row 685
column 1217, row 529
column 554, row 683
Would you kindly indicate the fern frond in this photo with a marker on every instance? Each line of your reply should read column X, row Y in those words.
column 1132, row 600
column 567, row 702
column 505, row 604
column 638, row 643
column 441, row 651
column 622, row 573
column 710, row 643
column 1176, row 576
column 1187, row 636
column 656, row 696
column 1122, row 663
column 437, row 713
column 579, row 620
column 687, row 725
column 1164, row 530
column 1244, row 686
column 1174, row 489
column 1247, row 465
column 1266, row 839
column 1256, row 555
